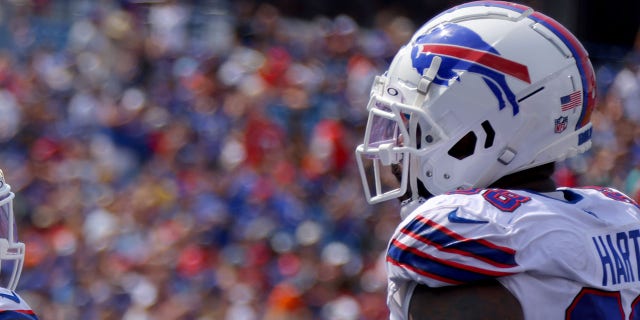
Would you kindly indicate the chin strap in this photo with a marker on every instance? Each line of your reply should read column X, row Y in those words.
column 428, row 75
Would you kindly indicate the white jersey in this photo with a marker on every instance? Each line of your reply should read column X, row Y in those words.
column 12, row 307
column 572, row 254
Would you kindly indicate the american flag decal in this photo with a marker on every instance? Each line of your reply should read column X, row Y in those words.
column 571, row 101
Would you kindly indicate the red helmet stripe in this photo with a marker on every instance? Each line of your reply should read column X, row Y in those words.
column 485, row 58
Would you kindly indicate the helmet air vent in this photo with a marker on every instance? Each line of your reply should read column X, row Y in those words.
column 464, row 147
column 491, row 134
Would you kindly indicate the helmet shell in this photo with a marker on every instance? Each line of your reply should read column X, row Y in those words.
column 482, row 90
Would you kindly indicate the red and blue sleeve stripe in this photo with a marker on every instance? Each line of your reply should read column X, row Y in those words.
column 440, row 269
column 433, row 234
column 17, row 315
column 426, row 231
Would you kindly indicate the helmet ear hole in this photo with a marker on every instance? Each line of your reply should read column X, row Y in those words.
column 464, row 147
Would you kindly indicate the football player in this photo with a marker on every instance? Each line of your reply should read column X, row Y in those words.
column 470, row 117
column 12, row 306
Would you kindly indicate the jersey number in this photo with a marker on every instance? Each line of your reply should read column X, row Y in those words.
column 504, row 200
column 615, row 195
column 598, row 304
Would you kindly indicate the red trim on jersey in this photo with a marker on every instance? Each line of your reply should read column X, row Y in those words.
column 29, row 312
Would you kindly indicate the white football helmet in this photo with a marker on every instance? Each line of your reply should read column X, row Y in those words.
column 11, row 251
column 485, row 89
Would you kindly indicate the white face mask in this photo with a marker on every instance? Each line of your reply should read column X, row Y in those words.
column 11, row 250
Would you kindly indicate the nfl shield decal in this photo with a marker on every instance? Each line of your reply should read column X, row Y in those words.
column 561, row 124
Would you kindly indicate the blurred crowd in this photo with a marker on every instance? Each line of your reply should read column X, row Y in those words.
column 181, row 161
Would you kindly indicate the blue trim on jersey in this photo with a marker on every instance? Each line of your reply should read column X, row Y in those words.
column 570, row 197
column 17, row 315
column 13, row 297
column 455, row 218
column 439, row 238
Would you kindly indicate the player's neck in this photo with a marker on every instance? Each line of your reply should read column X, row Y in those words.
column 535, row 179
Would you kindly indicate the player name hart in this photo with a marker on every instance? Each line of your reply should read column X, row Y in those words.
column 619, row 254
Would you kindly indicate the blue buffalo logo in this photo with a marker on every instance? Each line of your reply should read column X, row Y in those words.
column 461, row 49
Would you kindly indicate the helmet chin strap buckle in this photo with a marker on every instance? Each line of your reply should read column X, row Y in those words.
column 507, row 156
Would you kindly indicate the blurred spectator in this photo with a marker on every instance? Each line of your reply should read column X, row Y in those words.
column 625, row 88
